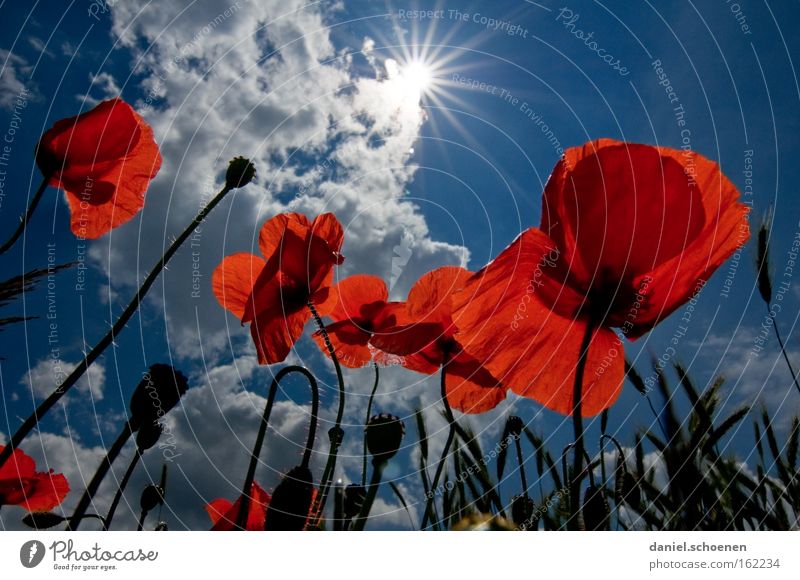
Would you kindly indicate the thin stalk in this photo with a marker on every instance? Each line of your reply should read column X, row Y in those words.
column 524, row 480
column 445, row 452
column 330, row 465
column 372, row 491
column 99, row 475
column 120, row 490
column 241, row 517
column 783, row 349
column 31, row 422
column 577, row 426
column 37, row 197
column 369, row 414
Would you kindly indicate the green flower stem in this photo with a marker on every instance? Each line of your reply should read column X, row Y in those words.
column 241, row 517
column 31, row 422
column 451, row 420
column 577, row 426
column 121, row 489
column 37, row 197
column 369, row 414
column 99, row 475
column 372, row 492
column 327, row 475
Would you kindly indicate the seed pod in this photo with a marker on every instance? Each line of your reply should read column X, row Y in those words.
column 354, row 495
column 156, row 394
column 336, row 436
column 42, row 520
column 515, row 425
column 152, row 496
column 523, row 510
column 240, row 172
column 161, row 527
column 384, row 435
column 148, row 435
column 596, row 512
column 291, row 501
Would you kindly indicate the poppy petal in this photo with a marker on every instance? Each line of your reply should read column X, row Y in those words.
column 275, row 332
column 234, row 279
column 49, row 491
column 269, row 239
column 470, row 387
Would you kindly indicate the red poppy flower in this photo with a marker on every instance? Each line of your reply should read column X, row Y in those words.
column 424, row 335
column 223, row 513
column 273, row 293
column 629, row 233
column 22, row 485
column 104, row 159
column 361, row 310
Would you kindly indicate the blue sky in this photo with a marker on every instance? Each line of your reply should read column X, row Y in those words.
column 306, row 91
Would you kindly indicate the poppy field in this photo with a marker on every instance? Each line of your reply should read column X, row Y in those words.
column 565, row 375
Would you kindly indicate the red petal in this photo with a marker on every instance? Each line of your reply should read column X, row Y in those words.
column 18, row 466
column 429, row 298
column 349, row 343
column 274, row 333
column 328, row 228
column 470, row 387
column 234, row 279
column 49, row 491
column 223, row 513
column 272, row 231
column 618, row 210
column 358, row 296
column 503, row 324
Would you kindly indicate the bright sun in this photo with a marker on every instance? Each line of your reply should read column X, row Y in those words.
column 408, row 82
column 416, row 76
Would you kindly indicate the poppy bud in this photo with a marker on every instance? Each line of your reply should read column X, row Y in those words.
column 152, row 496
column 156, row 394
column 161, row 527
column 148, row 435
column 354, row 495
column 630, row 490
column 336, row 436
column 595, row 509
column 384, row 435
column 514, row 425
column 42, row 520
column 240, row 172
column 291, row 501
column 522, row 512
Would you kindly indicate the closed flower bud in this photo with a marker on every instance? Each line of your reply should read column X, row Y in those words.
column 148, row 435
column 156, row 394
column 291, row 501
column 240, row 172
column 42, row 520
column 354, row 495
column 514, row 425
column 336, row 436
column 384, row 435
column 523, row 509
column 596, row 512
column 152, row 496
column 161, row 527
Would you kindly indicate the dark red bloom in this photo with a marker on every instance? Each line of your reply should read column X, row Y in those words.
column 361, row 310
column 424, row 335
column 223, row 513
column 273, row 293
column 629, row 233
column 22, row 485
column 104, row 159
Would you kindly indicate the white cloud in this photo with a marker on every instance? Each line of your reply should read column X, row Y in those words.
column 13, row 70
column 48, row 373
column 105, row 84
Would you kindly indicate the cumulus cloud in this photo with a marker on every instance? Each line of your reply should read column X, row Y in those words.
column 13, row 72
column 48, row 373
